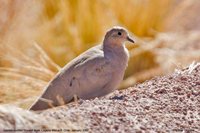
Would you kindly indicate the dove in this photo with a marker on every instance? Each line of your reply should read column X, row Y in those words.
column 94, row 73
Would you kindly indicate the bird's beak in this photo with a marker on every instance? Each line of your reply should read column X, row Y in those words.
column 130, row 39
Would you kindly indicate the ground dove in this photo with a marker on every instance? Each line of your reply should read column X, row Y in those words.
column 95, row 73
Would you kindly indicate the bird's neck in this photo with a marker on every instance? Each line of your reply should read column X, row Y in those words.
column 109, row 48
column 114, row 51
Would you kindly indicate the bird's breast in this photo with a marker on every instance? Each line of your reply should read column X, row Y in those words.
column 119, row 58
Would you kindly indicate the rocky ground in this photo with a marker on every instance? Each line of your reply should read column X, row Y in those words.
column 164, row 104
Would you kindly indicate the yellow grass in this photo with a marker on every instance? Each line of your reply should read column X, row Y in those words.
column 37, row 38
column 70, row 27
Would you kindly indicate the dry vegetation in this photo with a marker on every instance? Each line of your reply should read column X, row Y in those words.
column 64, row 31
column 35, row 34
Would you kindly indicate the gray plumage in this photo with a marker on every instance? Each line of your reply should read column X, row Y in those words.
column 95, row 73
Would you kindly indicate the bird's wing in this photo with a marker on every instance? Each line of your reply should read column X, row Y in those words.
column 92, row 76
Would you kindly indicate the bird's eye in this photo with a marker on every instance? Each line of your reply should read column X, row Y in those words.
column 119, row 33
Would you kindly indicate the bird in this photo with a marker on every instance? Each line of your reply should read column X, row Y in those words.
column 95, row 73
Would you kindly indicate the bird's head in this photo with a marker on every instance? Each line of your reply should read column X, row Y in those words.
column 117, row 36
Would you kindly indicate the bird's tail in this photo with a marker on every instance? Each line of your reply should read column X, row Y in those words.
column 55, row 94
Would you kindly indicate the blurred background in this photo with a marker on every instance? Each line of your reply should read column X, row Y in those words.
column 37, row 38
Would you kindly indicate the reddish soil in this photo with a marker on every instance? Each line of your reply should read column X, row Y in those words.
column 164, row 104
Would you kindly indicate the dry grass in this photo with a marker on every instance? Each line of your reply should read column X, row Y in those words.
column 64, row 29
column 75, row 26
column 64, row 32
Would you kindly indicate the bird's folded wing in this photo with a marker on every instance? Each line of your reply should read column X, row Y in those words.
column 92, row 76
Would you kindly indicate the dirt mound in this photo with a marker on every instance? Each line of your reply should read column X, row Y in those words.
column 167, row 104
column 170, row 103
column 14, row 119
